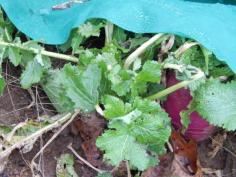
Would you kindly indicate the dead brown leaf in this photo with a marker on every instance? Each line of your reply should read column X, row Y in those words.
column 89, row 128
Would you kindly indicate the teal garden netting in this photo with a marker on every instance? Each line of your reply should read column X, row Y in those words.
column 210, row 22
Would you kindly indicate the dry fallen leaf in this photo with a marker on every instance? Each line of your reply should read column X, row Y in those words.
column 185, row 152
column 89, row 129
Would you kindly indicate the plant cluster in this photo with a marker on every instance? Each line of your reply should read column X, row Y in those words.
column 123, row 81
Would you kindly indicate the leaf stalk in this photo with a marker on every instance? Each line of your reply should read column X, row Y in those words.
column 42, row 52
column 133, row 56
column 200, row 74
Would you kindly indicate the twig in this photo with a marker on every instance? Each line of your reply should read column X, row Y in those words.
column 83, row 160
column 35, row 135
column 11, row 134
column 29, row 139
column 225, row 148
column 128, row 169
column 53, row 137
column 42, row 52
column 131, row 58
column 30, row 91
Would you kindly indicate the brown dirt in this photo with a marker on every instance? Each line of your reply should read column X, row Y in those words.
column 13, row 109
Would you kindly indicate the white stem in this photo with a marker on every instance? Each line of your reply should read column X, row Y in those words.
column 132, row 57
column 99, row 110
column 109, row 32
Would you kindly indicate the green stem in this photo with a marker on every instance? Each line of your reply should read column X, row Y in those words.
column 109, row 28
column 132, row 57
column 175, row 87
column 43, row 52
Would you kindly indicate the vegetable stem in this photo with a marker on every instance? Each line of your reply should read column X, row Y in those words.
column 178, row 86
column 43, row 52
column 132, row 57
column 99, row 110
column 109, row 28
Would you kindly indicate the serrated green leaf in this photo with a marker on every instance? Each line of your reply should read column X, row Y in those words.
column 108, row 58
column 76, row 42
column 65, row 167
column 88, row 29
column 119, row 145
column 114, row 107
column 54, row 89
column 146, row 106
column 32, row 74
column 151, row 129
column 2, row 84
column 130, row 117
column 121, row 80
column 216, row 102
column 151, row 72
column 14, row 55
column 119, row 34
column 82, row 86
column 122, row 88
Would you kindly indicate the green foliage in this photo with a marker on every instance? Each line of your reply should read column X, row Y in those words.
column 114, row 107
column 119, row 145
column 65, row 166
column 88, row 29
column 54, row 89
column 119, row 34
column 137, row 127
column 216, row 102
column 151, row 72
column 14, row 55
column 2, row 84
column 82, row 86
column 144, row 124
column 34, row 71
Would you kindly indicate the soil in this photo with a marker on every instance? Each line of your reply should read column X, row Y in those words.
column 83, row 133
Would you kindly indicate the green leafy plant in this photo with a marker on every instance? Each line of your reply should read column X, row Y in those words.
column 118, row 80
